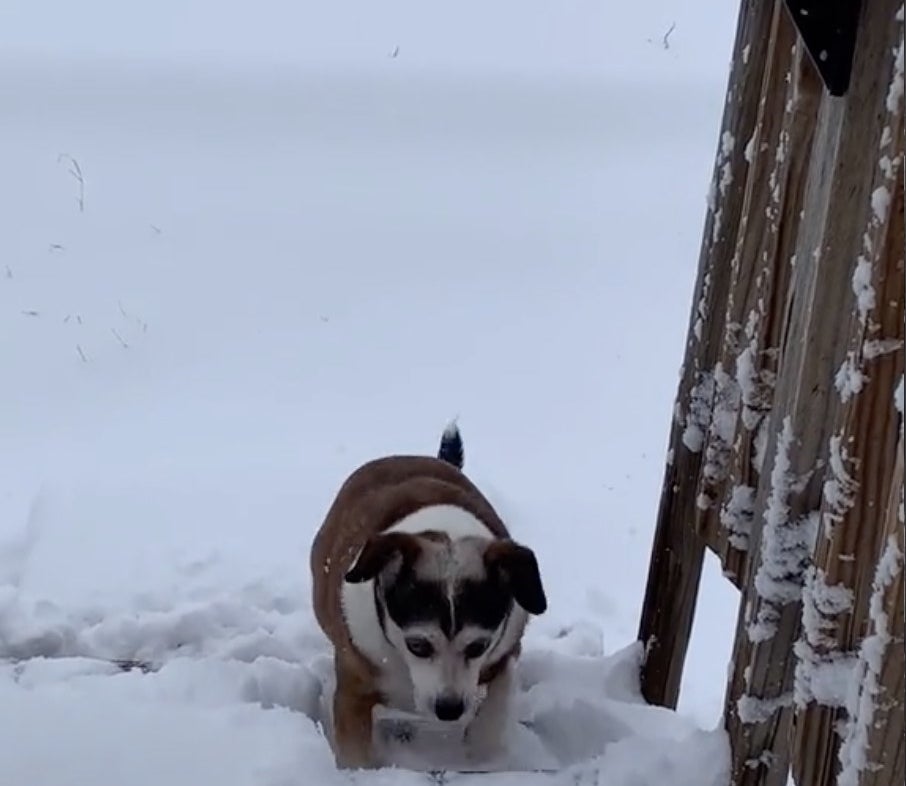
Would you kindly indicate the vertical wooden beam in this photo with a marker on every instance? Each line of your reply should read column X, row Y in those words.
column 873, row 752
column 803, row 420
column 760, row 696
column 778, row 154
column 744, row 269
column 757, row 711
column 865, row 235
column 873, row 749
column 677, row 553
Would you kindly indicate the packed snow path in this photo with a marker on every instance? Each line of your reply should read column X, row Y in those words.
column 234, row 690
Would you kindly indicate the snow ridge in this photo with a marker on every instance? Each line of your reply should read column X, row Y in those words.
column 786, row 545
column 721, row 431
column 840, row 487
column 737, row 516
column 822, row 672
column 698, row 418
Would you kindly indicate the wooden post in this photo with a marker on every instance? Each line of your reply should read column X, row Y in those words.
column 778, row 154
column 678, row 552
column 803, row 421
column 865, row 235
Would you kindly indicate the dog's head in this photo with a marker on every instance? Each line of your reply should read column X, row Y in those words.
column 444, row 606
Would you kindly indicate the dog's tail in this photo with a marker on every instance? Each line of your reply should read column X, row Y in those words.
column 450, row 449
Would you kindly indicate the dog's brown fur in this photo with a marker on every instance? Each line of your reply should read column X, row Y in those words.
column 373, row 498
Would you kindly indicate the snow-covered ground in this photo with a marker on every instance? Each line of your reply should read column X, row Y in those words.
column 292, row 251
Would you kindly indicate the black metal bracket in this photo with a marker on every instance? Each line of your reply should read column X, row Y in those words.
column 828, row 29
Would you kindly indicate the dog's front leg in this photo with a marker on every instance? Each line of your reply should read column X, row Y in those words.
column 485, row 734
column 352, row 724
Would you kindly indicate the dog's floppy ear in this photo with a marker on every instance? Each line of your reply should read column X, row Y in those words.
column 516, row 567
column 378, row 553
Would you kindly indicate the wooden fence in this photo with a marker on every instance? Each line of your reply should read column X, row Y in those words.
column 786, row 452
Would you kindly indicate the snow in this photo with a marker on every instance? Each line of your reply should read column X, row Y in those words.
column 780, row 153
column 840, row 487
column 727, row 145
column 862, row 287
column 823, row 673
column 755, row 385
column 865, row 687
column 698, row 419
column 849, row 379
column 760, row 445
column 747, row 379
column 737, row 516
column 880, row 203
column 875, row 348
column 251, row 721
column 895, row 91
column 724, row 177
column 288, row 252
column 564, row 696
column 898, row 396
column 722, row 428
column 786, row 544
column 754, row 710
column 749, row 150
column 701, row 308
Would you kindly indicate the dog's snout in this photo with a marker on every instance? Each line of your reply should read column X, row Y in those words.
column 449, row 708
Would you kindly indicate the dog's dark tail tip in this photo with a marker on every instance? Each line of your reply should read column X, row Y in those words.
column 451, row 449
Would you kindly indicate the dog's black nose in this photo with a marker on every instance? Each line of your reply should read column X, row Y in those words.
column 449, row 708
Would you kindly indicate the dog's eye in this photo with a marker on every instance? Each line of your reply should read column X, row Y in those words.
column 476, row 649
column 421, row 648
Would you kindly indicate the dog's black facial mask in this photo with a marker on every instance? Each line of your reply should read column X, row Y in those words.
column 509, row 571
column 410, row 597
column 410, row 602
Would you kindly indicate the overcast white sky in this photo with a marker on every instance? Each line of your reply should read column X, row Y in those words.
column 593, row 37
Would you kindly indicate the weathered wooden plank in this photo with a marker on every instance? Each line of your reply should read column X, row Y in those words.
column 862, row 453
column 677, row 553
column 778, row 154
column 720, row 435
column 873, row 752
column 802, row 421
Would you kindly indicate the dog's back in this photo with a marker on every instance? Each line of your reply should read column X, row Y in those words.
column 376, row 496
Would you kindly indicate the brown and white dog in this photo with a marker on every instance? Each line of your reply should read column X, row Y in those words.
column 425, row 597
